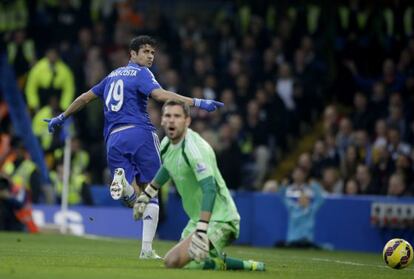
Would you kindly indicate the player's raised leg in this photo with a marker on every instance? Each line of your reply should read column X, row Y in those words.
column 122, row 169
column 148, row 162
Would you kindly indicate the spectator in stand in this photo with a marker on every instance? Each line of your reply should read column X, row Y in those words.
column 270, row 186
column 5, row 144
column 93, row 70
column 243, row 90
column 236, row 124
column 393, row 81
column 382, row 168
column 285, row 90
column 349, row 162
column 351, row 187
column 79, row 158
column 344, row 136
column 396, row 119
column 305, row 163
column 365, row 181
column 50, row 76
column 255, row 128
column 403, row 167
column 379, row 97
column 395, row 145
column 332, row 154
column 172, row 81
column 269, row 69
column 226, row 42
column 380, row 138
column 229, row 157
column 8, row 205
column 21, row 53
column 78, row 188
column 319, row 158
column 302, row 201
column 15, row 207
column 330, row 119
column 363, row 145
column 405, row 63
column 228, row 98
column 24, row 173
column 79, row 54
column 303, row 105
column 276, row 113
column 66, row 20
column 331, row 182
column 309, row 71
column 360, row 116
column 397, row 186
column 48, row 141
column 250, row 52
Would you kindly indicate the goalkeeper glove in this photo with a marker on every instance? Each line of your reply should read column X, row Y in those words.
column 55, row 122
column 208, row 105
column 141, row 203
column 200, row 245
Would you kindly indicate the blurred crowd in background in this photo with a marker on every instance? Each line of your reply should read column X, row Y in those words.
column 281, row 68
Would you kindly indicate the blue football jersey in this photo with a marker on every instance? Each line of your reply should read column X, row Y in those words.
column 125, row 93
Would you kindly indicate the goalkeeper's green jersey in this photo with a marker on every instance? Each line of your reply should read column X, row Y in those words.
column 188, row 163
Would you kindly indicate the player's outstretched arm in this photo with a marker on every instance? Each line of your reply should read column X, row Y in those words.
column 162, row 95
column 76, row 105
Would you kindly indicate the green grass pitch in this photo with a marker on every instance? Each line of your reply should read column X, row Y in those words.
column 59, row 257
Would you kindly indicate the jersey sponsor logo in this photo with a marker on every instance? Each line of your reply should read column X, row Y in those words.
column 200, row 167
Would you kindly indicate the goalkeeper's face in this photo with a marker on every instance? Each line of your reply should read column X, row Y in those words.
column 175, row 122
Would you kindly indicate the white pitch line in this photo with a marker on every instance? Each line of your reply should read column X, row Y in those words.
column 352, row 263
column 98, row 237
column 340, row 262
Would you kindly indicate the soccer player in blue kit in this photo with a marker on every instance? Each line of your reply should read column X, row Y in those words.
column 131, row 144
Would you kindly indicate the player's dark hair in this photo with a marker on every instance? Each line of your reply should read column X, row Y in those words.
column 186, row 108
column 137, row 42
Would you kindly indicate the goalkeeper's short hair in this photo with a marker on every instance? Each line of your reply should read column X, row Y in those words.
column 186, row 108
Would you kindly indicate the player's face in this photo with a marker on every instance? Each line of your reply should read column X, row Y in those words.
column 144, row 57
column 174, row 122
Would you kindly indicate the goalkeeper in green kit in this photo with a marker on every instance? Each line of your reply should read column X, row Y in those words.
column 214, row 221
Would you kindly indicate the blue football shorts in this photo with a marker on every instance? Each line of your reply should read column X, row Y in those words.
column 136, row 150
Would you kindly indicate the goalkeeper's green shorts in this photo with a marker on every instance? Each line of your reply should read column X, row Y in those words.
column 220, row 234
